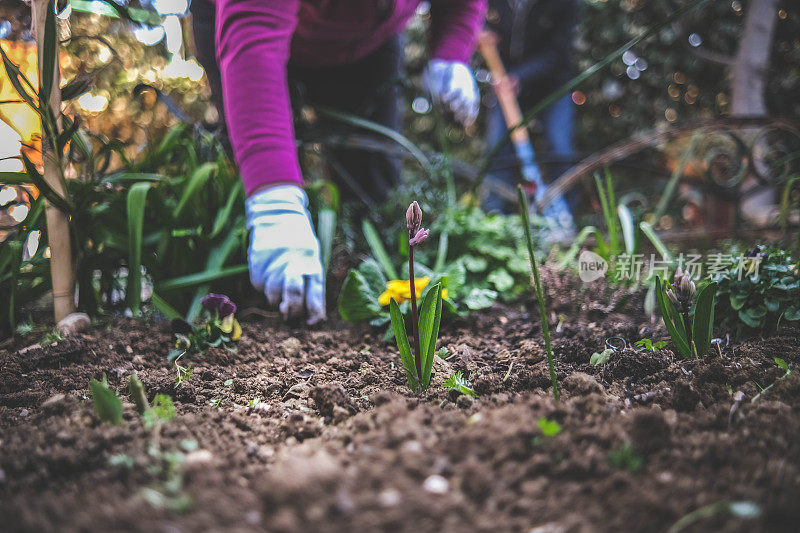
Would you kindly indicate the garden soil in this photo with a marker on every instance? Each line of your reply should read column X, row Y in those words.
column 336, row 442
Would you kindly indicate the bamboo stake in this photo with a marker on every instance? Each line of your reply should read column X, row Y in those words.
column 62, row 270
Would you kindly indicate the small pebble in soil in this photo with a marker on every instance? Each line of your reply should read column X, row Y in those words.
column 290, row 347
column 436, row 484
column 389, row 498
column 73, row 323
column 253, row 518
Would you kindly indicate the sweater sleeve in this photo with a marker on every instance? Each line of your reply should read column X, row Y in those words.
column 455, row 25
column 253, row 41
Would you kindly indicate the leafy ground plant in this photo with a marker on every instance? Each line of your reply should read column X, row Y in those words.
column 424, row 321
column 691, row 333
column 759, row 302
column 220, row 328
column 458, row 382
column 649, row 345
column 523, row 209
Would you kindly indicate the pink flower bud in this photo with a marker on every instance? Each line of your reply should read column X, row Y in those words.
column 413, row 217
column 420, row 237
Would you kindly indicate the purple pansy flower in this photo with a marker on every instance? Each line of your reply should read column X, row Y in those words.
column 219, row 303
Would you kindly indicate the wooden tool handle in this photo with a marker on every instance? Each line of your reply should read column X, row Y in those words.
column 487, row 45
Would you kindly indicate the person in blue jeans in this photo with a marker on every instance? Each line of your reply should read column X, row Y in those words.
column 535, row 40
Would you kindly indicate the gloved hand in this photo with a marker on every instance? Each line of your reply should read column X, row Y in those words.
column 284, row 253
column 451, row 83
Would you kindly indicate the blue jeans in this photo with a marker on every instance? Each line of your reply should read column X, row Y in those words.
column 558, row 122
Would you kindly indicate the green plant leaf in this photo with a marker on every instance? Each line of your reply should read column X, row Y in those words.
column 792, row 314
column 501, row 280
column 480, row 298
column 430, row 317
column 738, row 300
column 378, row 251
column 746, row 316
column 48, row 53
column 703, row 323
column 600, row 358
column 106, row 404
column 673, row 322
column 163, row 410
column 196, row 181
column 137, row 196
column 399, row 328
column 628, row 228
column 550, row 428
column 357, row 302
column 326, row 231
column 201, row 277
column 781, row 363
column 138, row 394
column 457, row 382
column 164, row 307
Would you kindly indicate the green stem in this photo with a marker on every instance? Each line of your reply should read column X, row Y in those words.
column 523, row 206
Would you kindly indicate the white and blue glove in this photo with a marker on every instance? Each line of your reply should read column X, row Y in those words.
column 284, row 253
column 452, row 84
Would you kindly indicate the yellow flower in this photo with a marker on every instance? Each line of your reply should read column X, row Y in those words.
column 400, row 290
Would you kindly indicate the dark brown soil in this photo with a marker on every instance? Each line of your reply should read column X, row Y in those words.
column 339, row 444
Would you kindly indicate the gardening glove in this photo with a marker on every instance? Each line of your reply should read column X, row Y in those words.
column 451, row 83
column 284, row 254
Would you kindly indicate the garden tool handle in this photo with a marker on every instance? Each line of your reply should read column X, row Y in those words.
column 487, row 45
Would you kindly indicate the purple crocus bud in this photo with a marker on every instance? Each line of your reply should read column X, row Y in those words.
column 413, row 217
column 420, row 237
column 219, row 303
column 672, row 297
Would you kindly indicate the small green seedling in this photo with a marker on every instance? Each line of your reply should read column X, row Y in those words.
column 228, row 382
column 182, row 373
column 457, row 382
column 625, row 458
column 424, row 321
column 690, row 334
column 163, row 410
column 106, row 404
column 24, row 329
column 52, row 337
column 783, row 365
column 600, row 358
column 215, row 402
column 550, row 428
column 138, row 394
column 649, row 345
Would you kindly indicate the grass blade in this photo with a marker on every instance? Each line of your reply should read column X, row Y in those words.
column 572, row 253
column 628, row 228
column 376, row 246
column 650, row 233
column 526, row 222
column 137, row 196
column 196, row 182
column 48, row 54
column 326, row 230
column 703, row 324
column 199, row 278
column 673, row 322
column 163, row 307
column 399, row 328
